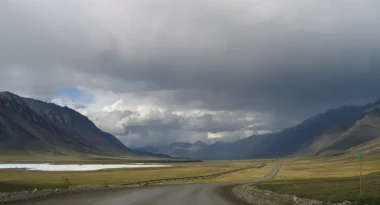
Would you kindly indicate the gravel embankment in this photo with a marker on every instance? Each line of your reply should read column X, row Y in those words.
column 254, row 196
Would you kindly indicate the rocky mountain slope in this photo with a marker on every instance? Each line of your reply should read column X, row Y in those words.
column 28, row 125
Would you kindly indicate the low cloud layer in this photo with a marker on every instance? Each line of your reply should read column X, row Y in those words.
column 136, row 125
column 185, row 69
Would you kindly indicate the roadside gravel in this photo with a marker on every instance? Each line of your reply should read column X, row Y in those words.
column 254, row 196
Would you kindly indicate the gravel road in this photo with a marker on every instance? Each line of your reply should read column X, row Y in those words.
column 192, row 194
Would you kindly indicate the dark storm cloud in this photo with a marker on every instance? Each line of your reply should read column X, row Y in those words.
column 209, row 123
column 291, row 58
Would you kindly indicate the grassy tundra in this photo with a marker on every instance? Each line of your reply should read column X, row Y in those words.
column 333, row 180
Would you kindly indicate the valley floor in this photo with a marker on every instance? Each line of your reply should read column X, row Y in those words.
column 325, row 179
column 200, row 193
column 19, row 180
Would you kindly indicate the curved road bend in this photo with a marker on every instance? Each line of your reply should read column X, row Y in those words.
column 192, row 194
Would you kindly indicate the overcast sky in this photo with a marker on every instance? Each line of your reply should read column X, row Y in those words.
column 159, row 71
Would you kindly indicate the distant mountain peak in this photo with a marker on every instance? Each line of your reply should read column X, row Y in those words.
column 377, row 102
column 5, row 92
column 8, row 94
column 180, row 144
column 199, row 143
column 11, row 98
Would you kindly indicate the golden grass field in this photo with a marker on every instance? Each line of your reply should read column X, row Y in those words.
column 246, row 175
column 329, row 179
column 326, row 168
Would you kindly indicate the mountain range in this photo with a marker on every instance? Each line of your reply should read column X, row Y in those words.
column 176, row 149
column 334, row 132
column 28, row 126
